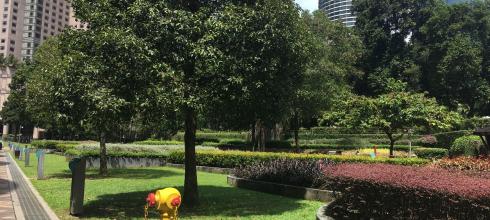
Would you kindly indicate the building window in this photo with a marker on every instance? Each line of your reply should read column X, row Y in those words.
column 4, row 30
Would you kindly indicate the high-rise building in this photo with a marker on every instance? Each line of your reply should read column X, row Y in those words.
column 339, row 10
column 25, row 24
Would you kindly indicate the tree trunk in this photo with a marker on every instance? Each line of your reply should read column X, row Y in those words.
column 103, row 155
column 296, row 130
column 191, row 193
column 16, row 132
column 252, row 137
column 392, row 144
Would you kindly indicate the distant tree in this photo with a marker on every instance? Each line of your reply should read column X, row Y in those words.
column 388, row 28
column 333, row 57
column 453, row 53
column 14, row 111
column 393, row 113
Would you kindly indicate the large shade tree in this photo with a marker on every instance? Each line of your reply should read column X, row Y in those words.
column 206, row 51
column 330, row 71
column 14, row 111
column 99, row 81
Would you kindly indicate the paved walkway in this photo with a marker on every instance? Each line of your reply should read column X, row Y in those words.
column 18, row 198
column 7, row 210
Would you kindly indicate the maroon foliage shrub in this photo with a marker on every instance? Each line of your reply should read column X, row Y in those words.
column 306, row 173
column 428, row 141
column 391, row 191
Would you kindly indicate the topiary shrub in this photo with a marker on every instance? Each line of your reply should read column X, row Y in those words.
column 428, row 141
column 431, row 153
column 446, row 139
column 466, row 146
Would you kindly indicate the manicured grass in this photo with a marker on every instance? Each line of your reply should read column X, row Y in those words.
column 122, row 194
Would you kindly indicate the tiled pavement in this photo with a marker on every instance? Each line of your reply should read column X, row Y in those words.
column 6, row 205
column 18, row 198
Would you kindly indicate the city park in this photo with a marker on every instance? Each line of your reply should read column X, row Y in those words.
column 256, row 110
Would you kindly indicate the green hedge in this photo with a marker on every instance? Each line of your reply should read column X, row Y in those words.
column 466, row 146
column 54, row 144
column 213, row 136
column 232, row 159
column 431, row 153
column 158, row 142
column 446, row 139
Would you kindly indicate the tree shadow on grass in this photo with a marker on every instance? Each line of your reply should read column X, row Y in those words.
column 214, row 201
column 140, row 173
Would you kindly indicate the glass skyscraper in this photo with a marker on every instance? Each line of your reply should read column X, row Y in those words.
column 339, row 10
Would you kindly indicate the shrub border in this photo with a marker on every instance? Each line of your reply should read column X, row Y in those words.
column 283, row 190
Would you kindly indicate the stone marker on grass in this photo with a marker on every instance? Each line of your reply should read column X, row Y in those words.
column 77, row 167
column 40, row 164
column 27, row 156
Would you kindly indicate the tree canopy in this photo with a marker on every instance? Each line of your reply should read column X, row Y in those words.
column 393, row 113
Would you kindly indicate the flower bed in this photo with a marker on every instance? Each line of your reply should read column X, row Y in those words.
column 383, row 191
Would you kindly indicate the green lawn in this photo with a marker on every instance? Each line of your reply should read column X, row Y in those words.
column 122, row 194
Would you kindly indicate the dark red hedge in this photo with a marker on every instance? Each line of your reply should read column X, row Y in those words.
column 391, row 191
column 433, row 179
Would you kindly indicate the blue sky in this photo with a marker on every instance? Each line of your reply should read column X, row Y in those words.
column 308, row 4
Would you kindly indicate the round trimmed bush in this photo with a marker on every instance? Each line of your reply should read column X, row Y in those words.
column 466, row 146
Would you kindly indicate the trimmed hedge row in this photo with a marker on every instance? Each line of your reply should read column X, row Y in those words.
column 158, row 142
column 446, row 139
column 233, row 159
column 431, row 153
column 54, row 144
column 213, row 136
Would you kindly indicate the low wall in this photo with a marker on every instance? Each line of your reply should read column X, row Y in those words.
column 284, row 190
column 126, row 162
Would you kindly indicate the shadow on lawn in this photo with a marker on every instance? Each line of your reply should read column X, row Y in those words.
column 215, row 201
column 140, row 173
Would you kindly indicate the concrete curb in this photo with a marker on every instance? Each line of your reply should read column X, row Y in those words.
column 19, row 215
column 40, row 199
column 321, row 214
column 283, row 190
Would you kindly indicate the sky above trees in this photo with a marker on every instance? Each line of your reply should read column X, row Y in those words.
column 308, row 4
